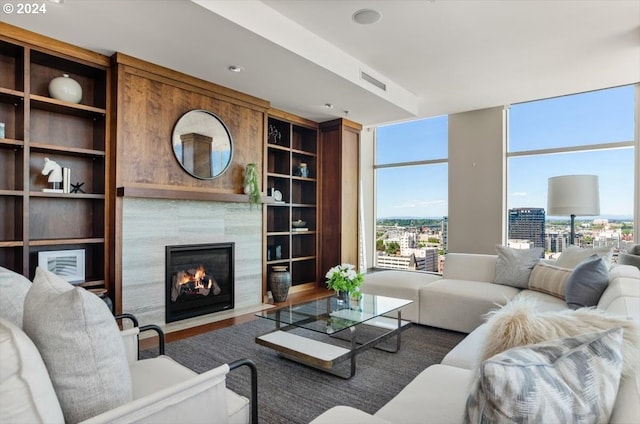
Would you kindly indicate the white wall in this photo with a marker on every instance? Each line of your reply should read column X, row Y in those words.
column 368, row 206
column 476, row 180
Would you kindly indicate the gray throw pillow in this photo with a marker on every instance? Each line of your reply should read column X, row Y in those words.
column 13, row 290
column 513, row 266
column 80, row 343
column 587, row 282
column 571, row 380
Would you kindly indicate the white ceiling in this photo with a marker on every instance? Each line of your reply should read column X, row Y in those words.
column 435, row 56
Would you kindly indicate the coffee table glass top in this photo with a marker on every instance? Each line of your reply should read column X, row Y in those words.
column 329, row 315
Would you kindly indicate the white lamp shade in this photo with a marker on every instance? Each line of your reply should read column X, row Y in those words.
column 577, row 195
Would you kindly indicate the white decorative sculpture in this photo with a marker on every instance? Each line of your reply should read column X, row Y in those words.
column 54, row 171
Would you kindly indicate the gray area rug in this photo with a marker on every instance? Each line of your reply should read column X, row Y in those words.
column 289, row 392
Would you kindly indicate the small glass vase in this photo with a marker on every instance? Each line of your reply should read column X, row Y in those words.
column 344, row 298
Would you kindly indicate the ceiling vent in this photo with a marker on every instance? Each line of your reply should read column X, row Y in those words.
column 371, row 80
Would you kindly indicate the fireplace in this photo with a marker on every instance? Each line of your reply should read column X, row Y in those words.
column 199, row 279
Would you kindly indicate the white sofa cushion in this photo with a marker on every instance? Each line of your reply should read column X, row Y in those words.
column 400, row 284
column 622, row 296
column 26, row 393
column 514, row 266
column 13, row 289
column 346, row 414
column 568, row 380
column 80, row 344
column 460, row 305
column 465, row 354
column 470, row 267
column 156, row 374
column 436, row 396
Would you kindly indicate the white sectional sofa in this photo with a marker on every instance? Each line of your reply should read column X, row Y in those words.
column 459, row 301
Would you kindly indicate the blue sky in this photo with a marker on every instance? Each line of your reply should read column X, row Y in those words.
column 584, row 119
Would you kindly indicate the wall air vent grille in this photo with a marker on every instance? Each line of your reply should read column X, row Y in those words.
column 371, row 80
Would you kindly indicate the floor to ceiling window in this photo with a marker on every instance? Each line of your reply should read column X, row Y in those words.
column 411, row 194
column 589, row 133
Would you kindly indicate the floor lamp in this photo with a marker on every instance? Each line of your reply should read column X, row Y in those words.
column 573, row 195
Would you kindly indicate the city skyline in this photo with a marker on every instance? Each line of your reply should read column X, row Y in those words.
column 602, row 116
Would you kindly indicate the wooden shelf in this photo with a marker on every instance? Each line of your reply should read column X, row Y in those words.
column 297, row 143
column 74, row 135
column 52, row 148
column 11, row 244
column 11, row 193
column 66, row 195
column 60, row 106
column 11, row 143
column 55, row 242
column 7, row 92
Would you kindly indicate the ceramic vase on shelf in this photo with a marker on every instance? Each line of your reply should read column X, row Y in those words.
column 279, row 283
column 65, row 88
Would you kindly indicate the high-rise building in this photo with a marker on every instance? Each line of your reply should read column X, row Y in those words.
column 527, row 224
column 445, row 233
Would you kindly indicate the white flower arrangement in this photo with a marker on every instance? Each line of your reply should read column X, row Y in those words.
column 344, row 278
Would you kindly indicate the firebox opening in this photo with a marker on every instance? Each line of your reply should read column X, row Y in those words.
column 199, row 279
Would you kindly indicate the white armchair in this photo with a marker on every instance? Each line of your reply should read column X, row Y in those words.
column 165, row 391
column 64, row 359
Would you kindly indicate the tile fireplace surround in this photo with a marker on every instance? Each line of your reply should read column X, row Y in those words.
column 148, row 225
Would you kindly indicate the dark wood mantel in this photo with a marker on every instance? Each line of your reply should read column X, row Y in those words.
column 183, row 193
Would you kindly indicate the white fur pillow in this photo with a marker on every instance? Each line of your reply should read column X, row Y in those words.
column 518, row 323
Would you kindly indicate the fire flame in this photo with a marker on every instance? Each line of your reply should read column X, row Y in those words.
column 195, row 276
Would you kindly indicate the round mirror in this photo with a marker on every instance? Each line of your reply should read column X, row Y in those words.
column 202, row 144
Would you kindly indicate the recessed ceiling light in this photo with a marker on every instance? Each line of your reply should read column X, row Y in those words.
column 235, row 68
column 366, row 16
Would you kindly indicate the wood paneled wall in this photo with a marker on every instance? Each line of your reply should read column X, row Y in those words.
column 151, row 99
column 147, row 101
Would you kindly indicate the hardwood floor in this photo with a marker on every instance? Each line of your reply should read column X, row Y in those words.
column 292, row 299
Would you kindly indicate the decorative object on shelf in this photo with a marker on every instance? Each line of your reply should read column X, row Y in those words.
column 76, row 188
column 276, row 194
column 68, row 264
column 274, row 252
column 202, row 144
column 274, row 135
column 251, row 184
column 1, row 129
column 54, row 171
column 302, row 170
column 299, row 225
column 279, row 283
column 66, row 180
column 65, row 88
column 344, row 278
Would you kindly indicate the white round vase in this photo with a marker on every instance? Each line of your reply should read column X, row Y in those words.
column 65, row 88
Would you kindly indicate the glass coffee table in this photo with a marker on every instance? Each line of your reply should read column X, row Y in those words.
column 328, row 319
